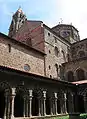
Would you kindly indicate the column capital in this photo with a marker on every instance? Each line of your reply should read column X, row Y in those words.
column 55, row 95
column 13, row 91
column 30, row 94
column 65, row 96
column 44, row 94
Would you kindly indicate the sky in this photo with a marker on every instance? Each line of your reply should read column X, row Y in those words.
column 51, row 12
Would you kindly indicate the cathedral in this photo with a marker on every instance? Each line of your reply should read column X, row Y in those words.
column 43, row 70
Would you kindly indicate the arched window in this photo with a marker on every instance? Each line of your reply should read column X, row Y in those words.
column 81, row 54
column 80, row 74
column 56, row 66
column 70, row 76
column 64, row 57
column 56, row 51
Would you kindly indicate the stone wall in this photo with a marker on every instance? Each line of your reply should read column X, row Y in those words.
column 52, row 41
column 79, row 50
column 19, row 56
column 74, row 66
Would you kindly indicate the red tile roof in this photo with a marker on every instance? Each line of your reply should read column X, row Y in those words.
column 80, row 82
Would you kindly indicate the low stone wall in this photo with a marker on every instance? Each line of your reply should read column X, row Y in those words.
column 42, row 117
column 74, row 116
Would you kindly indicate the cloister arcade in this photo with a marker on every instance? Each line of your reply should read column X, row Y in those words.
column 27, row 95
column 77, row 75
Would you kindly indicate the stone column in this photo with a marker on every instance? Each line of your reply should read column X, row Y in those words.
column 27, row 104
column 65, row 108
column 51, row 105
column 6, row 106
column 30, row 103
column 85, row 104
column 12, row 107
column 72, row 103
column 55, row 102
column 39, row 107
column 9, row 105
column 44, row 103
column 24, row 107
column 61, row 105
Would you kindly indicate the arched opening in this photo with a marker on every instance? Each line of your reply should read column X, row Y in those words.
column 58, row 106
column 70, row 76
column 56, row 51
column 67, row 105
column 2, row 104
column 81, row 54
column 48, row 111
column 18, row 105
column 81, row 104
column 64, row 57
column 35, row 104
column 80, row 74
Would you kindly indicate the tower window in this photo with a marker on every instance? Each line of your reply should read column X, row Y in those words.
column 48, row 34
column 55, row 39
column 49, row 51
column 50, row 76
column 49, row 67
column 9, row 47
column 56, row 51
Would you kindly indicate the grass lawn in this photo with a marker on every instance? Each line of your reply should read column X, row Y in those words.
column 82, row 116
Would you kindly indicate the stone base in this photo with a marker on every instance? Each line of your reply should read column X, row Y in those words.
column 74, row 116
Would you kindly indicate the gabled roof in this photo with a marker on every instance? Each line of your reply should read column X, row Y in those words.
column 21, row 44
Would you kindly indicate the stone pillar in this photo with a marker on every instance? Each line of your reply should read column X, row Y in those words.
column 85, row 104
column 44, row 103
column 12, row 107
column 30, row 103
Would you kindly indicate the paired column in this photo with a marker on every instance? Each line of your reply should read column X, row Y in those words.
column 6, row 106
column 44, row 103
column 65, row 108
column 12, row 107
column 30, row 103
column 55, row 103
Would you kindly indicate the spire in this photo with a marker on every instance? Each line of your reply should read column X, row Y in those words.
column 20, row 10
column 18, row 20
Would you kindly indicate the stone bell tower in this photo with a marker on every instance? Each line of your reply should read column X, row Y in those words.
column 18, row 20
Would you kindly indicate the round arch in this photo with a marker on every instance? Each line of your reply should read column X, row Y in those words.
column 70, row 76
column 80, row 74
column 19, row 101
column 4, row 90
